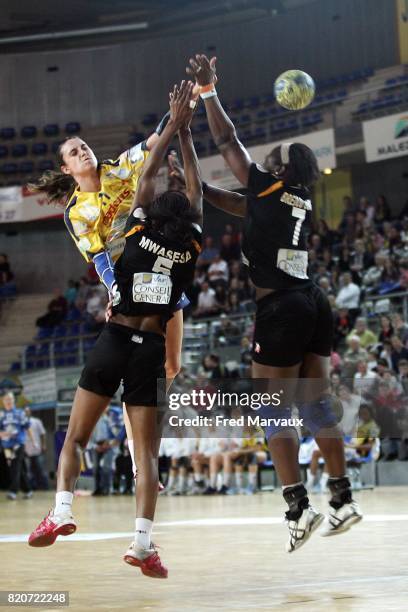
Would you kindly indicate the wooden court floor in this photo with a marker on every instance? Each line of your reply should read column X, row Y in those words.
column 223, row 553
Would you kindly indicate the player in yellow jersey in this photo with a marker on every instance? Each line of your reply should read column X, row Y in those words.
column 97, row 199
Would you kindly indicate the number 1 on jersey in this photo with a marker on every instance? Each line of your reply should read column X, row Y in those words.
column 300, row 213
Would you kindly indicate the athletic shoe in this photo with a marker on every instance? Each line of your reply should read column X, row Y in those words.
column 51, row 527
column 342, row 519
column 301, row 529
column 147, row 559
column 210, row 491
column 250, row 490
column 11, row 495
column 224, row 490
column 28, row 495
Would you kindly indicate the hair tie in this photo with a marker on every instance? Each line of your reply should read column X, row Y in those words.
column 284, row 151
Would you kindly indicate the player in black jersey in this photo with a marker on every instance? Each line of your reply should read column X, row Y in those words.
column 294, row 327
column 163, row 238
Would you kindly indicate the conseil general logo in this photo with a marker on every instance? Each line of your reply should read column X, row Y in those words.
column 401, row 127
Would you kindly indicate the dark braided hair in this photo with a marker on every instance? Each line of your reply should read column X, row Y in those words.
column 56, row 185
column 302, row 168
column 171, row 215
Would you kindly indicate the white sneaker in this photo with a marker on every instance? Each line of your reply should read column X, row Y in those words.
column 28, row 495
column 11, row 495
column 342, row 519
column 301, row 530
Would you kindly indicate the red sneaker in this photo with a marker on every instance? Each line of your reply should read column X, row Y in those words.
column 148, row 561
column 50, row 528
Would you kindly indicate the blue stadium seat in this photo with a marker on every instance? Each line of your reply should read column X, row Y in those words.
column 7, row 133
column 8, row 169
column 237, row 105
column 403, row 78
column 29, row 131
column 262, row 115
column 73, row 314
column 3, row 151
column 44, row 332
column 55, row 146
column 46, row 164
column 26, row 167
column 74, row 331
column 150, row 119
column 19, row 150
column 260, row 132
column 244, row 120
column 252, row 102
column 60, row 331
column 51, row 129
column 15, row 366
column 30, row 350
column 39, row 148
column 72, row 127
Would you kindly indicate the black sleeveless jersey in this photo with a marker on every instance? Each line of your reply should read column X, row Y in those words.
column 153, row 272
column 275, row 231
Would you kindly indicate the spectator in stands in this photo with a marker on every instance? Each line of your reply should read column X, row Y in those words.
column 372, row 277
column 387, row 329
column 385, row 355
column 234, row 305
column 83, row 293
column 348, row 210
column 382, row 210
column 105, row 441
column 342, row 326
column 221, row 297
column 71, row 293
column 207, row 304
column 227, row 333
column 13, row 431
column 350, row 403
column 229, row 250
column 57, row 310
column 366, row 207
column 390, row 277
column 349, row 295
column 123, row 471
column 367, row 337
column 218, row 271
column 6, row 275
column 208, row 253
column 95, row 308
column 352, row 356
column 326, row 234
column 360, row 259
column 364, row 380
column 35, row 449
column 400, row 327
column 403, row 375
column 398, row 352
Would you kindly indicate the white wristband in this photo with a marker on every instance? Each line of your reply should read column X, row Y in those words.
column 208, row 94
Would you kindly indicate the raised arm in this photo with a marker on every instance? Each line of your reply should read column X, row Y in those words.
column 180, row 112
column 228, row 201
column 192, row 173
column 221, row 127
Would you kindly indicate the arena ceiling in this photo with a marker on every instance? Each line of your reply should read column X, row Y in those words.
column 55, row 23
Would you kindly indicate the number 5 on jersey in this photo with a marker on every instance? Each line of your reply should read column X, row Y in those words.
column 300, row 213
column 163, row 265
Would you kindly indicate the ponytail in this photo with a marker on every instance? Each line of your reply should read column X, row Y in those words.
column 57, row 186
column 302, row 168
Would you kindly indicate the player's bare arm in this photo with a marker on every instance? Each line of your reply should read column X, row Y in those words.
column 179, row 112
column 222, row 129
column 230, row 202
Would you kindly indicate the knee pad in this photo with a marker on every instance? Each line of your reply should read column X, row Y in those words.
column 323, row 413
column 273, row 420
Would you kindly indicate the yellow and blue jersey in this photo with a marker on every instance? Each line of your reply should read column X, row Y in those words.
column 96, row 220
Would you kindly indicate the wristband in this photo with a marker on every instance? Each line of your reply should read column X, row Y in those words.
column 208, row 94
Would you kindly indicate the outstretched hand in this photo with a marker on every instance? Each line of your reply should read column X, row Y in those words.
column 202, row 70
column 176, row 170
column 181, row 104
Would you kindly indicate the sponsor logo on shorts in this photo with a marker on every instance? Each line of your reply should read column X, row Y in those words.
column 257, row 348
column 136, row 338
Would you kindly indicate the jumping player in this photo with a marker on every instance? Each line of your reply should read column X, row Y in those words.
column 97, row 199
column 293, row 328
column 163, row 238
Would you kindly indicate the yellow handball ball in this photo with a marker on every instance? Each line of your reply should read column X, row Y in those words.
column 294, row 89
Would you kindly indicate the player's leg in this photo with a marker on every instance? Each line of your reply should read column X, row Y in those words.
column 329, row 437
column 145, row 429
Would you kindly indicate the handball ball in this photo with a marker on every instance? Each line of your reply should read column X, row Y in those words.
column 294, row 89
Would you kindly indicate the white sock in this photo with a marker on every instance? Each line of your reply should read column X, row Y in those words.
column 310, row 479
column 198, row 477
column 63, row 502
column 190, row 481
column 213, row 480
column 238, row 479
column 252, row 479
column 171, row 481
column 132, row 454
column 182, row 483
column 143, row 530
column 324, row 479
column 226, row 479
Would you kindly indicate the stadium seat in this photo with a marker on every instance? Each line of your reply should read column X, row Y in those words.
column 19, row 150
column 60, row 331
column 44, row 332
column 7, row 133
column 237, row 105
column 3, row 151
column 26, row 167
column 73, row 127
column 51, row 129
column 8, row 168
column 252, row 102
column 29, row 131
column 46, row 164
column 39, row 148
column 200, row 148
column 15, row 366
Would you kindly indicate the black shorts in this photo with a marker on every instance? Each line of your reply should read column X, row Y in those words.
column 125, row 354
column 290, row 323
